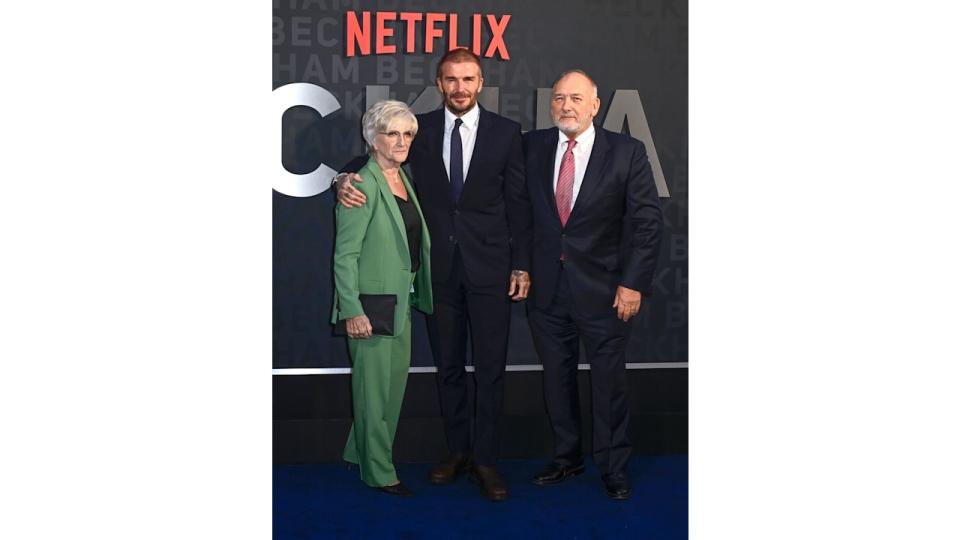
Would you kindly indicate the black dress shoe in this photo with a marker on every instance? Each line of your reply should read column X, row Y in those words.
column 491, row 483
column 447, row 471
column 555, row 473
column 397, row 489
column 617, row 486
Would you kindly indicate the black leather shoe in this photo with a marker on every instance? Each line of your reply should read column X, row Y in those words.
column 555, row 473
column 617, row 486
column 397, row 489
column 447, row 471
column 491, row 483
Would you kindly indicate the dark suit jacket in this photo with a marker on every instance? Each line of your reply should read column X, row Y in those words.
column 612, row 237
column 492, row 221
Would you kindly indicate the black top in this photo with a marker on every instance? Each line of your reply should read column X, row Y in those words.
column 411, row 220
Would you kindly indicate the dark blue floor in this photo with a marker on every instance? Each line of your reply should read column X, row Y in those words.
column 328, row 501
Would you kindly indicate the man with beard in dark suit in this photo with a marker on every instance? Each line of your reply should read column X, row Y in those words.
column 596, row 237
column 467, row 166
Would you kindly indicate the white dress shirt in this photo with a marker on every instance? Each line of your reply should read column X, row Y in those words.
column 468, row 136
column 581, row 156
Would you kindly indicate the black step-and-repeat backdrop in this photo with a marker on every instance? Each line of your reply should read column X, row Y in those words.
column 332, row 59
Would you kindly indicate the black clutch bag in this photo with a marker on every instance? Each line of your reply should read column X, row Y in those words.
column 380, row 309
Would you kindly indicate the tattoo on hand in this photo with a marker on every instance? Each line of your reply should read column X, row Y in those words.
column 520, row 276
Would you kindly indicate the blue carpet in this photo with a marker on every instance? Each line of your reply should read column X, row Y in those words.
column 328, row 501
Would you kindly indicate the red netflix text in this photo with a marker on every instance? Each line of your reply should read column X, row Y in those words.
column 373, row 33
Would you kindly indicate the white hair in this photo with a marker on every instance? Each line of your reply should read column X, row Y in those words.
column 383, row 113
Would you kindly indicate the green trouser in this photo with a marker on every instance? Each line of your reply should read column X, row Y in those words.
column 380, row 367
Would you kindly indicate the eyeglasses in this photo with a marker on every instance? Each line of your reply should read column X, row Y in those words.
column 393, row 136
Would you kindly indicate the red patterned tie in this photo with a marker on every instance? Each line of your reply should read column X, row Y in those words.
column 565, row 184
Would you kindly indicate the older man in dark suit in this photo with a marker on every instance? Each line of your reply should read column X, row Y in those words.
column 597, row 225
column 467, row 166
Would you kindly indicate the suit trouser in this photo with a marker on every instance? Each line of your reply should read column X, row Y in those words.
column 486, row 310
column 557, row 331
column 380, row 368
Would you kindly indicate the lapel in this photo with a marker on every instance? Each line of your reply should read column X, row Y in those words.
column 412, row 195
column 389, row 201
column 547, row 163
column 593, row 175
column 437, row 125
column 483, row 139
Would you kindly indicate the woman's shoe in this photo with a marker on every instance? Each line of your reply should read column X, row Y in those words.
column 397, row 489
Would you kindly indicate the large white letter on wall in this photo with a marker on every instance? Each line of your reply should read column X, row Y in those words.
column 322, row 101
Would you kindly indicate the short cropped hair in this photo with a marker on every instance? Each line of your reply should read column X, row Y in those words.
column 457, row 56
column 383, row 113
column 578, row 71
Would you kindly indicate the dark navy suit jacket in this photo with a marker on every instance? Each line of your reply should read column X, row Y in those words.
column 612, row 236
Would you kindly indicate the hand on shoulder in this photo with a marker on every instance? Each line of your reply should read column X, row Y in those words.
column 349, row 191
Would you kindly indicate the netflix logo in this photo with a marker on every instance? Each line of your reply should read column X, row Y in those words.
column 375, row 33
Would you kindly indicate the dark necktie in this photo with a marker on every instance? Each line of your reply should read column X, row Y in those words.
column 456, row 162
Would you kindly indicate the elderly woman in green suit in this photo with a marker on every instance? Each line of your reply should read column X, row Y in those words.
column 382, row 247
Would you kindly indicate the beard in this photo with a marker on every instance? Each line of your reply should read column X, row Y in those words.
column 457, row 109
column 569, row 126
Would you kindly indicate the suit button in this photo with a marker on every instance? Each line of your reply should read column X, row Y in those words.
column 563, row 236
column 451, row 238
column 456, row 212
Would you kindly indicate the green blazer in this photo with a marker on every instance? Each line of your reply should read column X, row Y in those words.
column 372, row 255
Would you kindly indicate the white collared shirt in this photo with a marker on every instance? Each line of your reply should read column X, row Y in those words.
column 581, row 156
column 468, row 136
